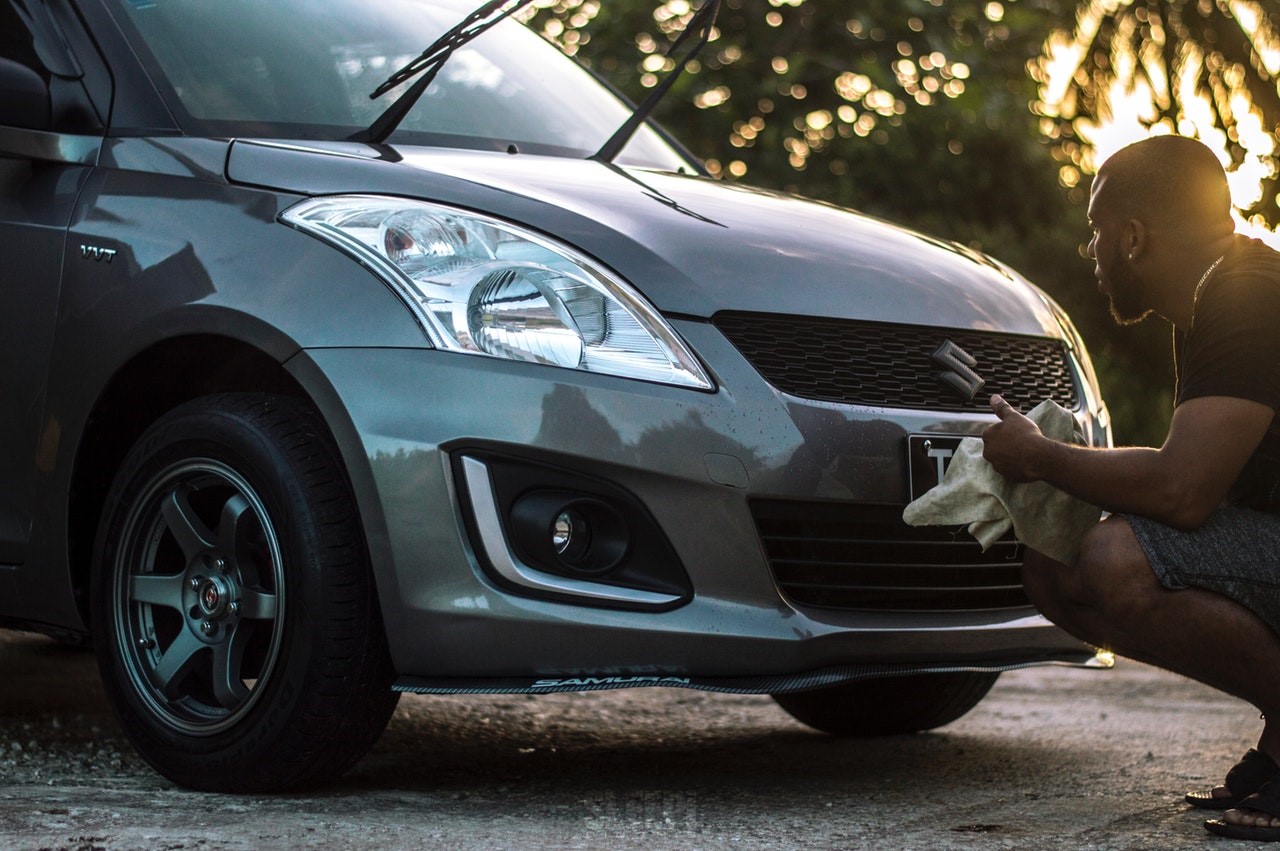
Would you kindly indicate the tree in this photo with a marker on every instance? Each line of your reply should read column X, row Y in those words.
column 810, row 97
column 1208, row 69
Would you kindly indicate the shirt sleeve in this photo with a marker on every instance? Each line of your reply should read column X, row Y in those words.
column 1233, row 348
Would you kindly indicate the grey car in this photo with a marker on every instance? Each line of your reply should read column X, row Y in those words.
column 301, row 411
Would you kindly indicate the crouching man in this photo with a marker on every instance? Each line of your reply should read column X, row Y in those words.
column 1185, row 573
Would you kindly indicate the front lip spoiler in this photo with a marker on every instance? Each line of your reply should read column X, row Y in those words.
column 762, row 684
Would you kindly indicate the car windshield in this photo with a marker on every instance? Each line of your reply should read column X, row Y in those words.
column 305, row 68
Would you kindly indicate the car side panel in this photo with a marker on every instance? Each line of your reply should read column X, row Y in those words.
column 36, row 200
column 189, row 255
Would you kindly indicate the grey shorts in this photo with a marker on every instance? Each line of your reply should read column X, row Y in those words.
column 1236, row 553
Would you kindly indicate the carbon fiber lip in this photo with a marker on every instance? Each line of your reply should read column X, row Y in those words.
column 764, row 684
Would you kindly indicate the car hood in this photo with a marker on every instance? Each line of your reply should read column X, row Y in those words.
column 693, row 245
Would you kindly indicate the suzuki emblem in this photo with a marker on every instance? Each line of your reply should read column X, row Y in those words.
column 959, row 375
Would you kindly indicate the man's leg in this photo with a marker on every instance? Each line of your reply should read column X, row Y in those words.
column 1112, row 599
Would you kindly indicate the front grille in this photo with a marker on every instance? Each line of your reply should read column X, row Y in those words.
column 844, row 556
column 867, row 363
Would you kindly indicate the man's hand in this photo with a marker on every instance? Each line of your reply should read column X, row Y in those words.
column 1180, row 484
column 1010, row 445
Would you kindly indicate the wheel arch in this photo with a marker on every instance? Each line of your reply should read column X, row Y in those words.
column 152, row 382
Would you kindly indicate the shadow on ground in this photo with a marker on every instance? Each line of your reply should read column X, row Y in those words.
column 1062, row 758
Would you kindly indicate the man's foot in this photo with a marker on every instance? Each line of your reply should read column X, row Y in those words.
column 1244, row 778
column 1257, row 817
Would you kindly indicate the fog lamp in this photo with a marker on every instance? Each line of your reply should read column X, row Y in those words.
column 571, row 536
column 562, row 532
column 569, row 532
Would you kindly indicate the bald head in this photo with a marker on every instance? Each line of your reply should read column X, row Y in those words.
column 1167, row 182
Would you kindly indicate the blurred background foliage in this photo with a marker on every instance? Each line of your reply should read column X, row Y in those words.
column 975, row 120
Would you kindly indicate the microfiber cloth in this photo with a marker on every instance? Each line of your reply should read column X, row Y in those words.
column 1044, row 518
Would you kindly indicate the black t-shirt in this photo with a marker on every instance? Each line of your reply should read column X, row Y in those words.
column 1233, row 349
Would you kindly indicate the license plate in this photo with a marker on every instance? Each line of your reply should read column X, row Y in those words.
column 928, row 456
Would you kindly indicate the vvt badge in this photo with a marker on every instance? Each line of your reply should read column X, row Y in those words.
column 959, row 375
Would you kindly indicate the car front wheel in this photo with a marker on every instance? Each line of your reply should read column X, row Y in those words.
column 891, row 705
column 234, row 612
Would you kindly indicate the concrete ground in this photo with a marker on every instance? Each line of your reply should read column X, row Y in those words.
column 1054, row 758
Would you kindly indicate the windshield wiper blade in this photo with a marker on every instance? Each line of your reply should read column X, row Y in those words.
column 428, row 65
column 702, row 22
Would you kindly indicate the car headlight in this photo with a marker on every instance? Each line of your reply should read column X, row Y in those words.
column 483, row 286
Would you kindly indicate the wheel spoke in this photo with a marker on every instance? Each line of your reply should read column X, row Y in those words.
column 234, row 527
column 228, row 658
column 257, row 605
column 176, row 662
column 157, row 590
column 239, row 531
column 186, row 527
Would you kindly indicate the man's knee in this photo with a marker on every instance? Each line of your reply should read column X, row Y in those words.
column 1044, row 581
column 1112, row 575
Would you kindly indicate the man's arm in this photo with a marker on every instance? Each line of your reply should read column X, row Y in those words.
column 1181, row 483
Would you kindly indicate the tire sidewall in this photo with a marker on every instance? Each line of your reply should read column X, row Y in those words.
column 204, row 431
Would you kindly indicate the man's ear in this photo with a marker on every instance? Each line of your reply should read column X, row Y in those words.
column 1135, row 239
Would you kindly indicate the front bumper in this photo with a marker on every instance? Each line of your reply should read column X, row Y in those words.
column 693, row 460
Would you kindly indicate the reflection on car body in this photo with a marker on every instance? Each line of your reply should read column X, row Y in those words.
column 294, row 423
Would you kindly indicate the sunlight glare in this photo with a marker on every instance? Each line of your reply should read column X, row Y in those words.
column 1213, row 100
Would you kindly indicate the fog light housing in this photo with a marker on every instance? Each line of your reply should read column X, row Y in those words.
column 543, row 530
column 580, row 534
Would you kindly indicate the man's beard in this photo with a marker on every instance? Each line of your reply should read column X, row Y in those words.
column 1126, row 292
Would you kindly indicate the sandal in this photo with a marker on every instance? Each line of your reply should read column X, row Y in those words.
column 1267, row 801
column 1245, row 777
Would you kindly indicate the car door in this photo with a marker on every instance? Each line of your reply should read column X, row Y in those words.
column 49, row 137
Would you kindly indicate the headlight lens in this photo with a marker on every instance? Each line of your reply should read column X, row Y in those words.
column 484, row 286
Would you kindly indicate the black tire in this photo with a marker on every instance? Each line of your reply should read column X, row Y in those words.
column 889, row 706
column 234, row 611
